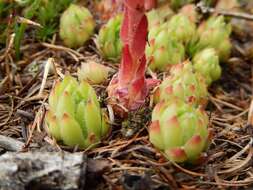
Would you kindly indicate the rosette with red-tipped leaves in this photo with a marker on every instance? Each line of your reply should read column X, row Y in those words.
column 163, row 50
column 181, row 28
column 190, row 11
column 74, row 114
column 159, row 15
column 185, row 84
column 214, row 33
column 179, row 130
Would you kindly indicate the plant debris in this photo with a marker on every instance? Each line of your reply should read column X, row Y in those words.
column 127, row 162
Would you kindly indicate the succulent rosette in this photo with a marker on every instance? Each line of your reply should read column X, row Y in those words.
column 184, row 84
column 74, row 114
column 159, row 15
column 181, row 28
column 76, row 26
column 190, row 11
column 93, row 72
column 162, row 51
column 179, row 130
column 206, row 62
column 214, row 33
column 108, row 41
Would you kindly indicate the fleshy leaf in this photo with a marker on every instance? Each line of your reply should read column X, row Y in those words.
column 172, row 130
column 65, row 104
column 71, row 132
column 155, row 135
column 93, row 118
column 80, row 117
column 53, row 125
column 176, row 154
column 105, row 121
column 194, row 147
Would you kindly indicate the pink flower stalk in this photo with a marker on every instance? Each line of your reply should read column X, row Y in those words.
column 129, row 87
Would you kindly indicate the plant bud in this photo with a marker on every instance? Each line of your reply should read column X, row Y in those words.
column 108, row 41
column 162, row 51
column 159, row 15
column 179, row 130
column 190, row 12
column 214, row 33
column 184, row 84
column 181, row 28
column 74, row 114
column 76, row 26
column 93, row 73
column 206, row 62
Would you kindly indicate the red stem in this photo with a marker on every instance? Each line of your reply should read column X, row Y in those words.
column 129, row 87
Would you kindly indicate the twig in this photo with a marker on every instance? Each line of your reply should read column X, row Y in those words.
column 28, row 21
column 239, row 166
column 250, row 114
column 238, row 15
column 237, row 155
column 226, row 104
column 9, row 46
column 131, row 168
column 75, row 55
column 188, row 171
column 49, row 64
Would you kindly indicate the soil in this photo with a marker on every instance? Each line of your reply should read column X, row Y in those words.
column 133, row 162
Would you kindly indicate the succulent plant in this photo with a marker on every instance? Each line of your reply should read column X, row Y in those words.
column 214, row 33
column 159, row 15
column 190, row 11
column 183, row 83
column 206, row 62
column 108, row 41
column 179, row 130
column 162, row 51
column 181, row 28
column 76, row 26
column 74, row 115
column 93, row 72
